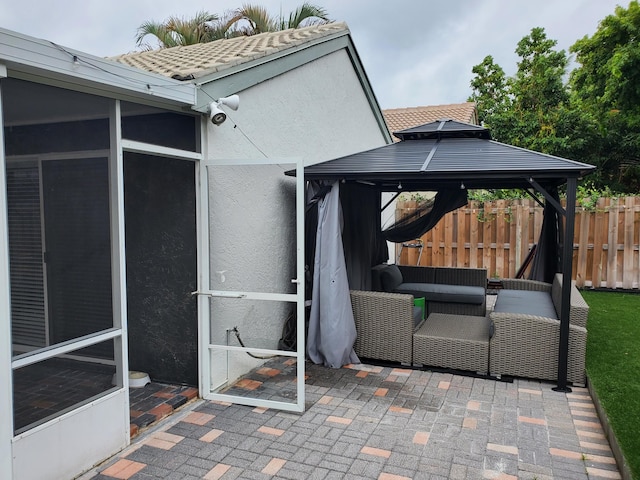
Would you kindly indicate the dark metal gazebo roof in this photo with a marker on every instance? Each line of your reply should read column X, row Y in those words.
column 446, row 151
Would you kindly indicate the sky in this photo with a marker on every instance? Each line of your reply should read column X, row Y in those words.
column 415, row 52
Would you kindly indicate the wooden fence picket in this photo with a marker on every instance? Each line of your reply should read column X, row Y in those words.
column 498, row 236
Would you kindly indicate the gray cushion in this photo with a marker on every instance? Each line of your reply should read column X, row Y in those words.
column 390, row 278
column 525, row 302
column 434, row 292
column 376, row 272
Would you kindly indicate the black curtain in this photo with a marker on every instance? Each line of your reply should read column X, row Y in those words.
column 424, row 219
column 547, row 260
column 315, row 192
column 362, row 239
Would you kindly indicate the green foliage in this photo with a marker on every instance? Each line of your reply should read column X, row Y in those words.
column 593, row 118
column 609, row 74
column 587, row 195
column 606, row 85
column 500, row 194
column 527, row 110
column 489, row 87
column 537, row 85
column 246, row 20
column 613, row 360
column 176, row 31
column 255, row 19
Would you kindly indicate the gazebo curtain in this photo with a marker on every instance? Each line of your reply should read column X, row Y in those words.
column 362, row 238
column 425, row 218
column 547, row 260
column 332, row 330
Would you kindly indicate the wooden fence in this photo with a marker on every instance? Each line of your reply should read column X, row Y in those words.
column 498, row 236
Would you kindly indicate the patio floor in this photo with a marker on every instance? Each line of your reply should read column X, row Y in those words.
column 372, row 422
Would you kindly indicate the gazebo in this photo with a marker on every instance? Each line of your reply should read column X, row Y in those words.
column 448, row 156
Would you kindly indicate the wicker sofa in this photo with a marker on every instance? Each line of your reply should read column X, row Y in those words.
column 386, row 321
column 526, row 331
column 446, row 290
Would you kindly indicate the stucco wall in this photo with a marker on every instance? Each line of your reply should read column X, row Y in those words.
column 316, row 112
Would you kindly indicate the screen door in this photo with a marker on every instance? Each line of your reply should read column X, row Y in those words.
column 251, row 283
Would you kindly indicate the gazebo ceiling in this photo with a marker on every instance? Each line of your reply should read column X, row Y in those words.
column 448, row 153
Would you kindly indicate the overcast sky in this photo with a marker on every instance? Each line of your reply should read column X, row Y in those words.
column 415, row 52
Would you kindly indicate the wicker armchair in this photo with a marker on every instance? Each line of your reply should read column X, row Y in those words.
column 527, row 345
column 385, row 324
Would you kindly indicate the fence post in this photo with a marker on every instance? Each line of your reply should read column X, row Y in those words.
column 612, row 245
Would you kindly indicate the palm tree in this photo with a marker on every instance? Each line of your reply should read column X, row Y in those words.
column 247, row 20
column 177, row 31
column 260, row 21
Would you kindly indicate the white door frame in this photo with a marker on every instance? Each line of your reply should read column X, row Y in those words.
column 6, row 382
column 107, row 413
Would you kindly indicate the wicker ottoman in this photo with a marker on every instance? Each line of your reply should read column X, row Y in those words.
column 459, row 342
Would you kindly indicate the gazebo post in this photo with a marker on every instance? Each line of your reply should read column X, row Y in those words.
column 567, row 266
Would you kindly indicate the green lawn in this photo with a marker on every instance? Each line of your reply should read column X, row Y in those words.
column 613, row 365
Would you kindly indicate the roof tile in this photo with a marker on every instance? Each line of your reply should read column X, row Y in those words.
column 205, row 58
column 402, row 118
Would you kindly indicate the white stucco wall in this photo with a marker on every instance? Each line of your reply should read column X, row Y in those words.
column 316, row 112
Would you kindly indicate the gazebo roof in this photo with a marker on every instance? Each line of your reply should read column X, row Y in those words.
column 445, row 152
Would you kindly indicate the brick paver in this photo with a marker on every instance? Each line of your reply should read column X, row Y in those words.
column 387, row 424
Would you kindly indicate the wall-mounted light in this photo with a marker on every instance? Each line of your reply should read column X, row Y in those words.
column 399, row 186
column 216, row 114
column 462, row 187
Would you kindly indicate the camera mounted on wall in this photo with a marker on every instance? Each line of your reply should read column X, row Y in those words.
column 216, row 114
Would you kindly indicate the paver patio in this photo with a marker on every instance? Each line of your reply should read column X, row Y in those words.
column 371, row 422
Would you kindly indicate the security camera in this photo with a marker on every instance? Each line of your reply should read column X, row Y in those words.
column 216, row 114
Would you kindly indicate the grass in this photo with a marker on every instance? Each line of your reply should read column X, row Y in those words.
column 613, row 365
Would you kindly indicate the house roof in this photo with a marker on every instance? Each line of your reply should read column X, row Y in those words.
column 50, row 63
column 402, row 118
column 229, row 66
column 448, row 154
column 195, row 61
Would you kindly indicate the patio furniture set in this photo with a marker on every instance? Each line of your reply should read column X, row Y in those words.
column 518, row 336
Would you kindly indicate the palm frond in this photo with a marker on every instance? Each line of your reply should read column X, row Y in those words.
column 158, row 30
column 258, row 19
column 205, row 27
column 176, row 31
column 307, row 14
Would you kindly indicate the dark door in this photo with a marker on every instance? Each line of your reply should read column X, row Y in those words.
column 160, row 226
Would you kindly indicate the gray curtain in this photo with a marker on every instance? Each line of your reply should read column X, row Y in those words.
column 332, row 330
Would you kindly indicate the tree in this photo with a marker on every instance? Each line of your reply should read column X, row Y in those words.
column 489, row 88
column 538, row 83
column 205, row 27
column 256, row 19
column 177, row 31
column 606, row 84
column 529, row 109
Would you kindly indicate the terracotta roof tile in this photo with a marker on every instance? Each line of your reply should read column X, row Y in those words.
column 402, row 118
column 205, row 58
